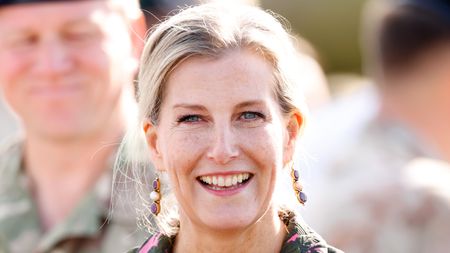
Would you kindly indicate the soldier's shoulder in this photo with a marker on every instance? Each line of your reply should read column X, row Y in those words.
column 11, row 146
column 10, row 158
column 11, row 143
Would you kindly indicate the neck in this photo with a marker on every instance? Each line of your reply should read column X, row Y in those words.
column 265, row 235
column 70, row 167
column 53, row 163
column 432, row 131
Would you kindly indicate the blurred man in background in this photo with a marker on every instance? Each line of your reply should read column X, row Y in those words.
column 388, row 192
column 67, row 71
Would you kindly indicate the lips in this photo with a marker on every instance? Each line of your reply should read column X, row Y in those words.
column 224, row 182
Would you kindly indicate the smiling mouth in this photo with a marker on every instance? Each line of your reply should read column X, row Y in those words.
column 222, row 183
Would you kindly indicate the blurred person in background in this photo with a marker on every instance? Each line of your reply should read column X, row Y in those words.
column 67, row 71
column 388, row 191
column 154, row 11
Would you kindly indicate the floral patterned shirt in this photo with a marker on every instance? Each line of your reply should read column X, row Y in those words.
column 300, row 239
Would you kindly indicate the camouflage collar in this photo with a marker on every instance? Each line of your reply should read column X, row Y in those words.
column 85, row 220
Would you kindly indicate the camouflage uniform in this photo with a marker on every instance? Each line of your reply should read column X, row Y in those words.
column 86, row 229
column 371, row 200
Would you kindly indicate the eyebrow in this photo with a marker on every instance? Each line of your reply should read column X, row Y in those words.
column 190, row 106
column 203, row 108
column 250, row 103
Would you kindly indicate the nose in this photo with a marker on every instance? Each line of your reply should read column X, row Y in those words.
column 224, row 147
column 52, row 58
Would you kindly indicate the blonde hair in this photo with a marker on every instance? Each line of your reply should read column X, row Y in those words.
column 207, row 30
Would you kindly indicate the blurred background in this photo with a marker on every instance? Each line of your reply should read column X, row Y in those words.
column 331, row 26
column 402, row 172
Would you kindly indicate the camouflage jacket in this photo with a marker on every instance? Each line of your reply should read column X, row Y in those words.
column 300, row 239
column 376, row 198
column 87, row 229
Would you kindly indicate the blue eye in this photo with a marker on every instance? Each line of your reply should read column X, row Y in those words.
column 189, row 118
column 251, row 115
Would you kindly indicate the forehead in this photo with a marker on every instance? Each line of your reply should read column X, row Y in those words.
column 48, row 14
column 238, row 73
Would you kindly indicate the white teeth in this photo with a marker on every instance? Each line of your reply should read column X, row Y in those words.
column 225, row 181
column 221, row 181
column 234, row 180
column 228, row 181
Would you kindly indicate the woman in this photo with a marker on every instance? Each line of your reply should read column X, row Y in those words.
column 221, row 119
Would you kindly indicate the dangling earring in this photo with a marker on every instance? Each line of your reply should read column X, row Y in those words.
column 155, row 196
column 298, row 187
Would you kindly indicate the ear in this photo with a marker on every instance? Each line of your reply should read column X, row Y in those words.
column 293, row 125
column 151, row 136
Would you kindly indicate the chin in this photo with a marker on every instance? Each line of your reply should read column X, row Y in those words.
column 227, row 220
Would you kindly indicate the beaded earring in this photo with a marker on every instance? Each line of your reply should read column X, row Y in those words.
column 298, row 187
column 155, row 196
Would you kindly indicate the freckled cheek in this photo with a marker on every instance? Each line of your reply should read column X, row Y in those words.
column 184, row 149
column 263, row 143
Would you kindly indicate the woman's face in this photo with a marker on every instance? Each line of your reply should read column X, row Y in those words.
column 222, row 139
